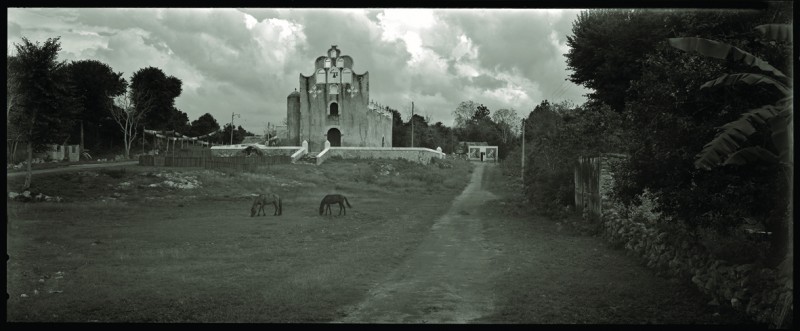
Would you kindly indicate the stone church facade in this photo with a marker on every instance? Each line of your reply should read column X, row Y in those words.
column 333, row 104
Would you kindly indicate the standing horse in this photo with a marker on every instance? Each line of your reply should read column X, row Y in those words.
column 330, row 199
column 265, row 199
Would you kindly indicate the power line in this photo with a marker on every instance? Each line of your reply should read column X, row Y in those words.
column 559, row 88
column 569, row 87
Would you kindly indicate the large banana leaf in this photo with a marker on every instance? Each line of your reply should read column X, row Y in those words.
column 751, row 155
column 747, row 79
column 782, row 134
column 776, row 32
column 732, row 135
column 723, row 51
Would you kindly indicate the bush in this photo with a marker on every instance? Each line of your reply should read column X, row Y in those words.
column 512, row 165
column 549, row 191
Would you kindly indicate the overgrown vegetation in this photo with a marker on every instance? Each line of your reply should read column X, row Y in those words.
column 661, row 106
column 555, row 136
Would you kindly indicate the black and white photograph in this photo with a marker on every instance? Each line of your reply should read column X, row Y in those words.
column 399, row 165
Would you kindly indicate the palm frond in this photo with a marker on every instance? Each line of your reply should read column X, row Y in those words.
column 777, row 32
column 751, row 155
column 782, row 133
column 722, row 51
column 746, row 79
column 731, row 137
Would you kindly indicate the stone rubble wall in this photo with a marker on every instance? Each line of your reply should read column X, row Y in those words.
column 763, row 294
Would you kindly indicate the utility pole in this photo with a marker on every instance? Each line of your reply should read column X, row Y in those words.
column 412, row 123
column 522, row 173
column 232, row 115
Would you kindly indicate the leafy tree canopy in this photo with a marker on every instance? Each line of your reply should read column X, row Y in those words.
column 204, row 124
column 155, row 93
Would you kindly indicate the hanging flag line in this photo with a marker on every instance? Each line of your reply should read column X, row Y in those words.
column 178, row 136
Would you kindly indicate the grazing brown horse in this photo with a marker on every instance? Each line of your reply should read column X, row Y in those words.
column 265, row 199
column 330, row 199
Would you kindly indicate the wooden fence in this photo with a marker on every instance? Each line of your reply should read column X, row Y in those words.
column 593, row 183
column 240, row 163
column 587, row 187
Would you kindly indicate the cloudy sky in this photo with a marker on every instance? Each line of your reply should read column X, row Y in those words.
column 248, row 60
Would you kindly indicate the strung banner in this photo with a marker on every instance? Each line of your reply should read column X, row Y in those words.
column 174, row 135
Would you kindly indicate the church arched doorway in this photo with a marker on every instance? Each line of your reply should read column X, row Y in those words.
column 335, row 137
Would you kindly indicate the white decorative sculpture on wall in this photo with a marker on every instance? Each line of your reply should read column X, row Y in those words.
column 314, row 91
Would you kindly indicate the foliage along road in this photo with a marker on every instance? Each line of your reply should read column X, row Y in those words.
column 474, row 266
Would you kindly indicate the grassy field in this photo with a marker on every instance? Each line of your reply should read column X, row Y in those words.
column 125, row 246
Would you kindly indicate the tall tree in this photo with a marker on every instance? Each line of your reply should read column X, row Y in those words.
column 13, row 132
column 481, row 112
column 609, row 47
column 398, row 128
column 45, row 97
column 606, row 49
column 444, row 137
column 12, row 76
column 463, row 113
column 96, row 86
column 238, row 134
column 508, row 121
column 422, row 137
column 204, row 124
column 127, row 118
column 154, row 93
column 178, row 121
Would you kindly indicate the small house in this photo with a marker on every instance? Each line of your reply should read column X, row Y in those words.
column 62, row 152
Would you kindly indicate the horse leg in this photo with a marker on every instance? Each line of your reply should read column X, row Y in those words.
column 275, row 204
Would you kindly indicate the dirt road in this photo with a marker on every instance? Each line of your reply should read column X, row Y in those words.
column 444, row 281
column 73, row 168
column 478, row 265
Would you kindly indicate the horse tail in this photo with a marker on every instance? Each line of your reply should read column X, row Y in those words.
column 280, row 206
column 347, row 202
column 322, row 207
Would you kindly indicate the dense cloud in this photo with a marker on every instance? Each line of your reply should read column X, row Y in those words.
column 248, row 60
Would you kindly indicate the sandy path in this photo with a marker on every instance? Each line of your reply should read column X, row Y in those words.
column 74, row 167
column 446, row 279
